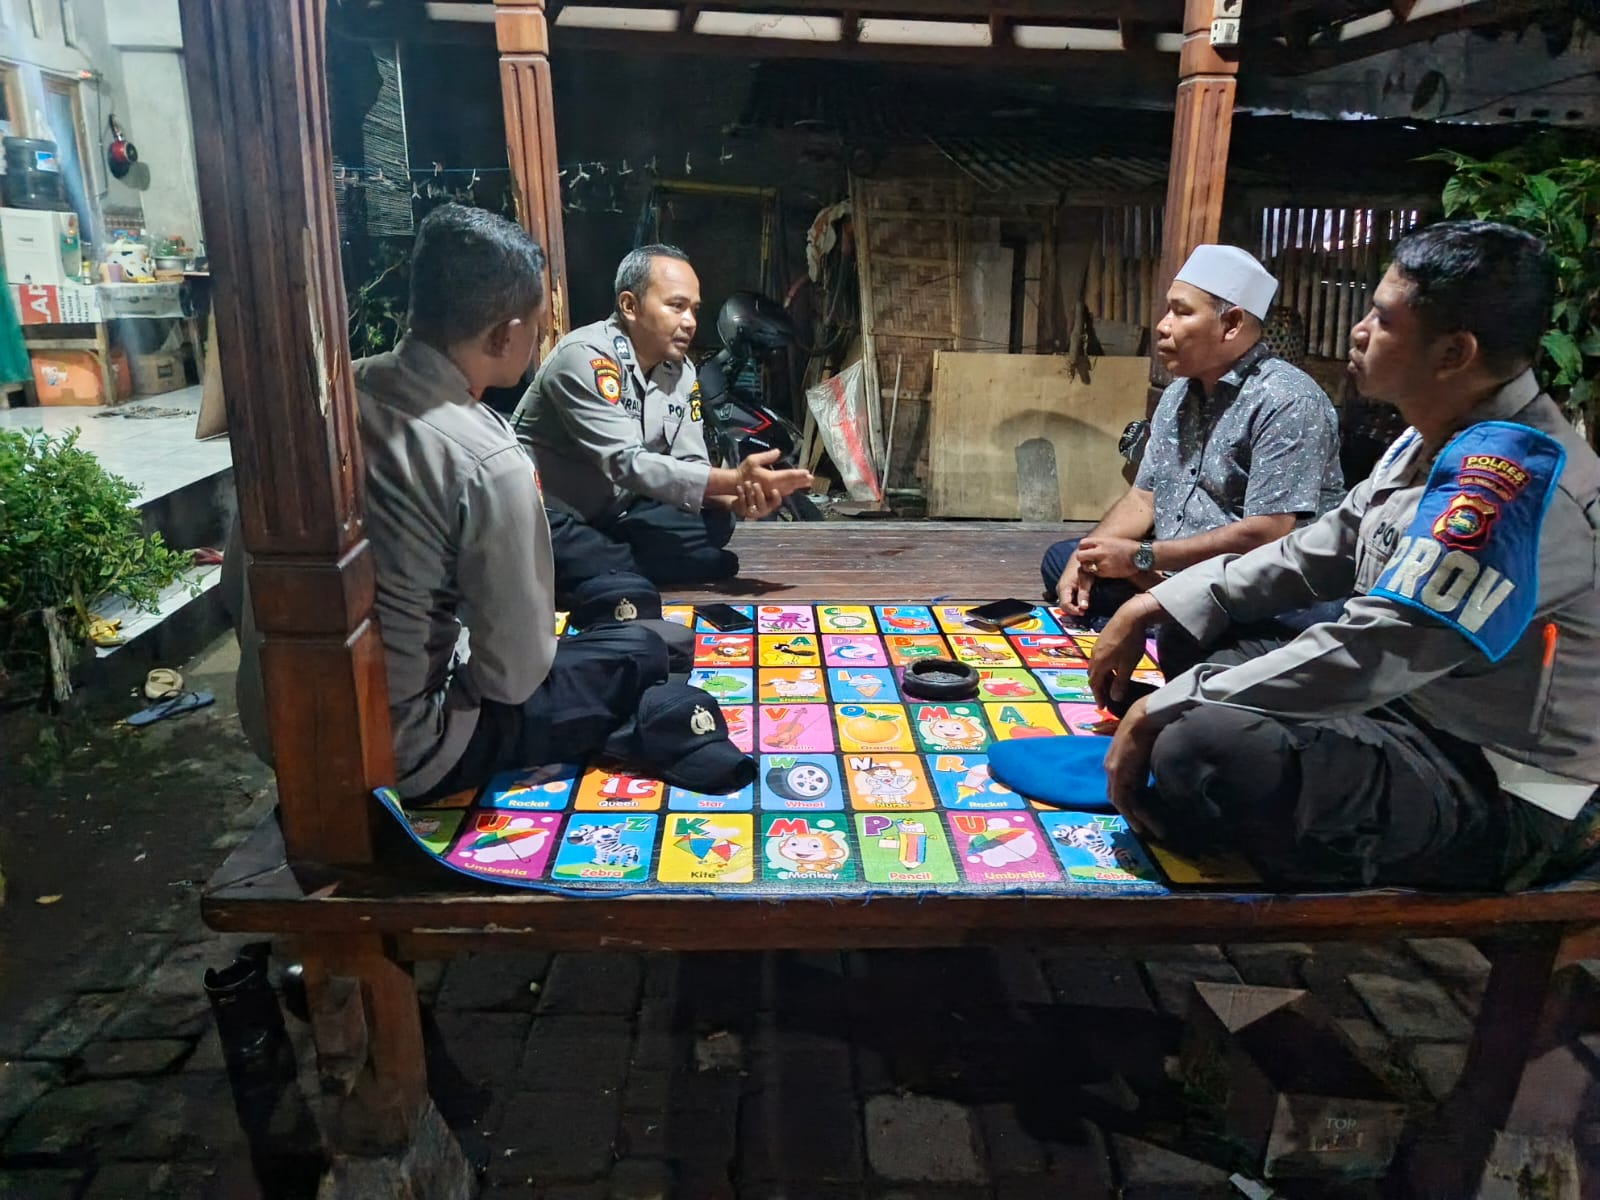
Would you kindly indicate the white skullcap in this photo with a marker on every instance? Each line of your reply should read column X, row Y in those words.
column 1230, row 274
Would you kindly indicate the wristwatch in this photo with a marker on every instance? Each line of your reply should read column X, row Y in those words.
column 1144, row 558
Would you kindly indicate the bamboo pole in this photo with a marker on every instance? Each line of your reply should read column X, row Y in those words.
column 1303, row 271
column 1319, row 291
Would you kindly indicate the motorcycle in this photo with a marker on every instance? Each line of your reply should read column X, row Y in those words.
column 738, row 421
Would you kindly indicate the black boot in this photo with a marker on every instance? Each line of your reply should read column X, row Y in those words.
column 285, row 1148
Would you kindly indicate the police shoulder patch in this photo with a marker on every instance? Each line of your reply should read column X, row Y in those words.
column 1471, row 555
column 607, row 378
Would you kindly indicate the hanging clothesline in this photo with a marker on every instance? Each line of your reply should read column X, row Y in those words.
column 571, row 173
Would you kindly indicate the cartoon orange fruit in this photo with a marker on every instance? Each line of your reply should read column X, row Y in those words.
column 871, row 729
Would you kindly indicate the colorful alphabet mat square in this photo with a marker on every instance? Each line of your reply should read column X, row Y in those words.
column 859, row 790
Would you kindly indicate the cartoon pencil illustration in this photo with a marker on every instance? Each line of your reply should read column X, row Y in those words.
column 913, row 844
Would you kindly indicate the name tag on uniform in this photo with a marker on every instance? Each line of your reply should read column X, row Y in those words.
column 1471, row 555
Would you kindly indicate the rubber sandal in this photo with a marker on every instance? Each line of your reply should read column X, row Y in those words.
column 104, row 632
column 174, row 706
column 161, row 683
column 206, row 556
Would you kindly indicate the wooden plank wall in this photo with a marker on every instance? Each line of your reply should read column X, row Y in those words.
column 918, row 238
column 1127, row 257
column 986, row 406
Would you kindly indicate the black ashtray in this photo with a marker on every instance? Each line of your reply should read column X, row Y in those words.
column 940, row 679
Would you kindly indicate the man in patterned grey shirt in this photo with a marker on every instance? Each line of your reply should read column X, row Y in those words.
column 1243, row 446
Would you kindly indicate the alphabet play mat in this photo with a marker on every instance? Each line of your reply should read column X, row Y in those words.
column 860, row 788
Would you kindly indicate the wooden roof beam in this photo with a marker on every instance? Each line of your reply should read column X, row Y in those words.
column 1136, row 35
column 1160, row 13
column 1408, row 21
column 1154, row 70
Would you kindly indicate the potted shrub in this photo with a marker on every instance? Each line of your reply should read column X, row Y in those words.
column 70, row 537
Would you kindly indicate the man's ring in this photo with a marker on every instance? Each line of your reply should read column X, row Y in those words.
column 1091, row 568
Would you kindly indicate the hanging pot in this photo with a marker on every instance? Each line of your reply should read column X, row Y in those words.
column 121, row 154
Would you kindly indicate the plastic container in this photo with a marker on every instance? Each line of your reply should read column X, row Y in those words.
column 73, row 377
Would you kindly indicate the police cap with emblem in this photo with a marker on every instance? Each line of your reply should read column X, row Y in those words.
column 608, row 599
column 680, row 735
column 1230, row 274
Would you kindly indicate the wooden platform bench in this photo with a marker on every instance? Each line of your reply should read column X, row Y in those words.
column 357, row 928
column 353, row 913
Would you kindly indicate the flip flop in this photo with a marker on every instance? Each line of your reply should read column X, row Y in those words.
column 173, row 706
column 106, row 632
column 161, row 683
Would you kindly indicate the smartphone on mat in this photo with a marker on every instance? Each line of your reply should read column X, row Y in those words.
column 723, row 616
column 1001, row 613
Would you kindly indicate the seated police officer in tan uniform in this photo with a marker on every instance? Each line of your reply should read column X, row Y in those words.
column 613, row 421
column 1442, row 731
column 460, row 545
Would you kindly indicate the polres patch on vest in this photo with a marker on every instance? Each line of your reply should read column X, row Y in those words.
column 1471, row 555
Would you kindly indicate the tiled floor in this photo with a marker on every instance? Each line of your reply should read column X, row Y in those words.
column 157, row 454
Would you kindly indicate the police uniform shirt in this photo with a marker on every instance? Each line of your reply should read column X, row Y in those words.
column 1472, row 571
column 603, row 433
column 459, row 537
column 1265, row 442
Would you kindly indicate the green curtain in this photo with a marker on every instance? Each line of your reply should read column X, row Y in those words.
column 14, row 366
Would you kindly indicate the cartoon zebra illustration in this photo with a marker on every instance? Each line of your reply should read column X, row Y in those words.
column 1097, row 845
column 609, row 848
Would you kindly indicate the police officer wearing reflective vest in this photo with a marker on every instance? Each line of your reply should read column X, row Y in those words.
column 613, row 422
column 1443, row 731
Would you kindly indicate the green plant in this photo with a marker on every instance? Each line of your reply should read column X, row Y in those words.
column 377, row 315
column 70, row 536
column 1540, row 187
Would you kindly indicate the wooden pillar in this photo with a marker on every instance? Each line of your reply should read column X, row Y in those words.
column 258, row 98
column 523, row 38
column 1447, row 1154
column 1202, row 124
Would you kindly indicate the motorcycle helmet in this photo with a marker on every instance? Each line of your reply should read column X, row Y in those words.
column 750, row 324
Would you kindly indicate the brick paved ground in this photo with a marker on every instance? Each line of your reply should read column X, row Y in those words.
column 1007, row 1075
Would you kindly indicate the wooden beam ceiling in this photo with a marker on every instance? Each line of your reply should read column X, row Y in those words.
column 1405, row 29
column 1161, row 12
column 1155, row 69
column 1289, row 37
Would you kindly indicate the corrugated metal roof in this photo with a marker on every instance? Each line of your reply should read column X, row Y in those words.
column 1001, row 163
